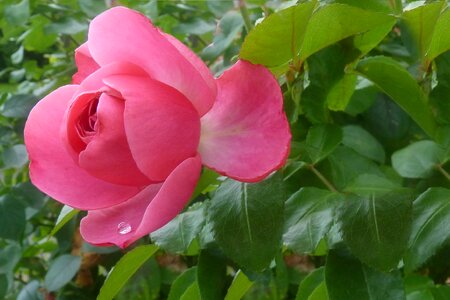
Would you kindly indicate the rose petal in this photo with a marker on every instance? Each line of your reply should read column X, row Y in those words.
column 137, row 41
column 246, row 135
column 161, row 125
column 194, row 60
column 53, row 170
column 85, row 63
column 146, row 212
column 108, row 156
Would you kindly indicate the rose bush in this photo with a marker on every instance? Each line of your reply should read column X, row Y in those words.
column 126, row 141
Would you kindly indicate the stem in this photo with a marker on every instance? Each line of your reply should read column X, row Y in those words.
column 245, row 15
column 322, row 178
column 443, row 172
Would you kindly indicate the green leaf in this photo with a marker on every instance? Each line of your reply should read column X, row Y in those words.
column 30, row 292
column 376, row 228
column 340, row 94
column 418, row 25
column 320, row 292
column 208, row 181
column 66, row 26
column 211, row 276
column 441, row 292
column 36, row 38
column 247, row 220
column 239, row 286
column 18, row 106
column 65, row 215
column 418, row 160
column 335, row 22
column 92, row 7
column 192, row 293
column 347, row 278
column 395, row 81
column 12, row 218
column 363, row 142
column 310, row 283
column 346, row 165
column 17, row 14
column 178, row 234
column 15, row 156
column 322, row 140
column 124, row 269
column 431, row 212
column 375, row 5
column 309, row 217
column 61, row 271
column 365, row 42
column 369, row 184
column 3, row 285
column 9, row 257
column 440, row 41
column 196, row 26
column 182, row 283
column 278, row 38
column 230, row 26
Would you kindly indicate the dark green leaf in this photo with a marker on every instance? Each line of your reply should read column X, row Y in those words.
column 179, row 233
column 376, row 228
column 278, row 38
column 3, row 285
column 17, row 14
column 340, row 94
column 395, row 81
column 12, row 218
column 431, row 215
column 15, row 157
column 18, row 106
column 363, row 142
column 211, row 276
column 322, row 140
column 192, row 293
column 369, row 184
column 65, row 215
column 309, row 216
column 247, row 220
column 9, row 257
column 61, row 271
column 124, row 269
column 418, row 160
column 347, row 278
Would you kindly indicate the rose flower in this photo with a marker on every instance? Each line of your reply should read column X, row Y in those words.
column 126, row 141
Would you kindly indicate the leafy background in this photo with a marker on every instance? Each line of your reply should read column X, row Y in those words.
column 360, row 211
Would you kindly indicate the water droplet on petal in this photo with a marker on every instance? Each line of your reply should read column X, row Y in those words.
column 124, row 228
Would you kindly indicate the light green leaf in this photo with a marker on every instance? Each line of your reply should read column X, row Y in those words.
column 396, row 82
column 431, row 220
column 376, row 228
column 182, row 283
column 65, row 215
column 363, row 142
column 124, row 269
column 61, row 271
column 347, row 278
column 322, row 140
column 309, row 215
column 15, row 156
column 335, row 22
column 247, row 220
column 418, row 160
column 340, row 94
column 310, row 283
column 418, row 25
column 440, row 41
column 320, row 292
column 278, row 38
column 192, row 293
column 239, row 286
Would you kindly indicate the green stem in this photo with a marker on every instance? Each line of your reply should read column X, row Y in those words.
column 443, row 172
column 244, row 12
column 322, row 178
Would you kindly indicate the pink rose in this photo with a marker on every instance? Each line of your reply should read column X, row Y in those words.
column 127, row 140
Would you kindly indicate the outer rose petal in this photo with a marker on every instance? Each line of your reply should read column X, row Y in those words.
column 194, row 60
column 246, row 135
column 146, row 212
column 108, row 156
column 161, row 125
column 53, row 170
column 137, row 41
column 85, row 63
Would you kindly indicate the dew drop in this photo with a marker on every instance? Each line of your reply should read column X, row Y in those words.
column 124, row 228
